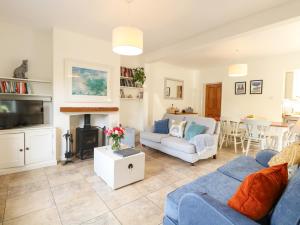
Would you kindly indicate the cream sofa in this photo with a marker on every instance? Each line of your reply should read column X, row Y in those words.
column 179, row 147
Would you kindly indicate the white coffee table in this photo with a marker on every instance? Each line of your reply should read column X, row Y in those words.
column 118, row 171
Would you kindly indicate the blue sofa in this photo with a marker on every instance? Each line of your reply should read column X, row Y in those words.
column 204, row 201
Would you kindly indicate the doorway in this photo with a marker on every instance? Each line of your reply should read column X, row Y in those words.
column 213, row 100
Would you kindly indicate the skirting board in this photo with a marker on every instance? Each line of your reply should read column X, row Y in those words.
column 27, row 167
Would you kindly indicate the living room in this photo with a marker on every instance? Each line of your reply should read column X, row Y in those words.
column 106, row 123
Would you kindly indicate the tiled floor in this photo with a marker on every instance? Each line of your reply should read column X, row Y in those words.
column 73, row 195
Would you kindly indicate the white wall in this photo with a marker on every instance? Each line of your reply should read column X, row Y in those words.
column 69, row 45
column 21, row 42
column 154, row 89
column 18, row 43
column 132, row 111
column 270, row 69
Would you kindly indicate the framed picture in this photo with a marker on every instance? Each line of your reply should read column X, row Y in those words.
column 87, row 82
column 256, row 86
column 167, row 91
column 240, row 88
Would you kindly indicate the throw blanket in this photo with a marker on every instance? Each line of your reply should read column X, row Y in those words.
column 202, row 141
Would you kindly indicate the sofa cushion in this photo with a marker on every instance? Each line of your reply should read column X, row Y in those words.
column 216, row 184
column 260, row 191
column 193, row 129
column 263, row 157
column 161, row 126
column 150, row 136
column 179, row 144
column 240, row 167
column 290, row 155
column 209, row 123
column 177, row 128
column 287, row 210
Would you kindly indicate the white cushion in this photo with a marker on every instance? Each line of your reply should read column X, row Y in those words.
column 177, row 128
column 155, row 137
column 205, row 121
column 179, row 144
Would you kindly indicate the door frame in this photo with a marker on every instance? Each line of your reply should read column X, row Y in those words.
column 204, row 96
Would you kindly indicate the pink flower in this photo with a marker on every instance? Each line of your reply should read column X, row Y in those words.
column 115, row 132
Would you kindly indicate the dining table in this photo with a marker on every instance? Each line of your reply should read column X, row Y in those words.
column 279, row 131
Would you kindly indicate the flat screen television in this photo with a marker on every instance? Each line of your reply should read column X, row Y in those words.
column 20, row 113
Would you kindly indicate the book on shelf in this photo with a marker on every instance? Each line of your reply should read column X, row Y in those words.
column 126, row 72
column 15, row 87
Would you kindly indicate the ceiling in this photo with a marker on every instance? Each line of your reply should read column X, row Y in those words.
column 276, row 39
column 164, row 22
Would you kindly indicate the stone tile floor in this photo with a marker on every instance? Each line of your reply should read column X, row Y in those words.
column 74, row 195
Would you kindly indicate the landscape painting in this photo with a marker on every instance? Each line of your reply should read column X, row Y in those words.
column 89, row 82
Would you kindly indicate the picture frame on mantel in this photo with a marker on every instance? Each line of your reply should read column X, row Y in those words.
column 87, row 82
column 240, row 88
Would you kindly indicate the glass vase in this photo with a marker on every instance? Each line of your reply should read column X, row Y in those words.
column 116, row 144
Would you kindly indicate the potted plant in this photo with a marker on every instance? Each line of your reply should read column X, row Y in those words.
column 139, row 76
column 116, row 134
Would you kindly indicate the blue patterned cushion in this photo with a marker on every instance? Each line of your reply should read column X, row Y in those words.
column 193, row 130
column 161, row 126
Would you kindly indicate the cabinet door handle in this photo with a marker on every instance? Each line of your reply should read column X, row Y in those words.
column 27, row 148
column 21, row 150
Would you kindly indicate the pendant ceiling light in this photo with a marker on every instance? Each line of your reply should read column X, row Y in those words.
column 238, row 70
column 127, row 40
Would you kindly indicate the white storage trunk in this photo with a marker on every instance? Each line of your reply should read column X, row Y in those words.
column 117, row 171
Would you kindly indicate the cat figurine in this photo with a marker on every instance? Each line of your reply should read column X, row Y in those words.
column 21, row 70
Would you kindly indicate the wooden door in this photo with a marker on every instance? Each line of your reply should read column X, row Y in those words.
column 213, row 99
column 11, row 150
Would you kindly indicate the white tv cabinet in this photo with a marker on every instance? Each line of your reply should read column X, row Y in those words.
column 27, row 148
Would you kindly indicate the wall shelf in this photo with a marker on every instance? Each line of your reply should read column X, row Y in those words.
column 25, row 80
column 88, row 109
column 125, row 87
column 128, row 78
column 35, row 95
column 15, row 96
column 131, row 99
column 128, row 87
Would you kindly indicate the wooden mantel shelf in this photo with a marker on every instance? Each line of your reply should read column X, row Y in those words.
column 88, row 109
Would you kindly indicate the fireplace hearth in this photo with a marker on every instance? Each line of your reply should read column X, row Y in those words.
column 87, row 138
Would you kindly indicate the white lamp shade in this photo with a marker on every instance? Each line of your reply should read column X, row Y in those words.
column 238, row 70
column 127, row 41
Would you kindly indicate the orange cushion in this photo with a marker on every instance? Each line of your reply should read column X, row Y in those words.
column 260, row 191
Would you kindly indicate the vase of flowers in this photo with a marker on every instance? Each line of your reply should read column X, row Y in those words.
column 116, row 134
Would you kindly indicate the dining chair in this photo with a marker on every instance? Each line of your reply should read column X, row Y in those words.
column 231, row 132
column 257, row 132
column 290, row 135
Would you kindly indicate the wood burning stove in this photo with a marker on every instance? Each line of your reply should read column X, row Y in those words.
column 87, row 138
